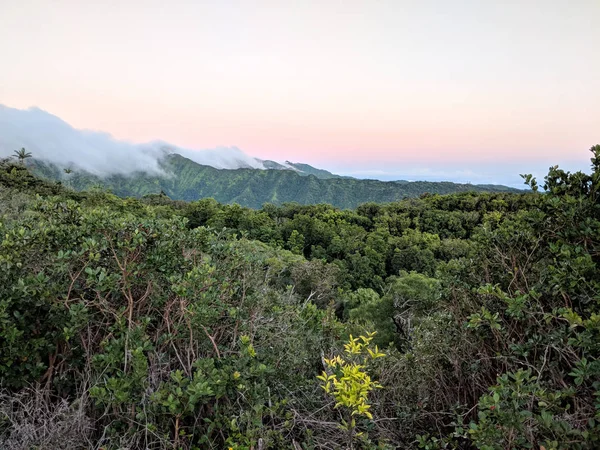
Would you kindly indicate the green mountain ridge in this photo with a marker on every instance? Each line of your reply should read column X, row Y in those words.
column 186, row 180
column 306, row 169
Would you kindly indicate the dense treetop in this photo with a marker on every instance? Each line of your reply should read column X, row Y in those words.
column 158, row 323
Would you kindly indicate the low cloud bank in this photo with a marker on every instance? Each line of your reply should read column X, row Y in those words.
column 51, row 139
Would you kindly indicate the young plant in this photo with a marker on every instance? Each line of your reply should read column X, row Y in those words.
column 347, row 381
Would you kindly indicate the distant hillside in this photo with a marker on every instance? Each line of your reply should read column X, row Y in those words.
column 310, row 170
column 300, row 169
column 184, row 179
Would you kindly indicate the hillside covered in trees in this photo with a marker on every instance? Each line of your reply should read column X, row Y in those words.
column 183, row 179
column 459, row 321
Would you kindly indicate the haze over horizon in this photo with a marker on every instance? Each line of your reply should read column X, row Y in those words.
column 457, row 90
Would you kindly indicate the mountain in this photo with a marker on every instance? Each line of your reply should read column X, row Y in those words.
column 310, row 170
column 184, row 179
column 300, row 169
column 53, row 140
column 226, row 174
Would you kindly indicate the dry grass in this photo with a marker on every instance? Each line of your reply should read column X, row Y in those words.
column 31, row 420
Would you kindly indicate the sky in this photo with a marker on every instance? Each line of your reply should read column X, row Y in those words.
column 464, row 90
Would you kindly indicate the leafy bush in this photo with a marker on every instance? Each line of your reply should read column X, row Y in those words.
column 159, row 324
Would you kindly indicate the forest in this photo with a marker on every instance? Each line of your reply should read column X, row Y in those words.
column 461, row 321
column 184, row 179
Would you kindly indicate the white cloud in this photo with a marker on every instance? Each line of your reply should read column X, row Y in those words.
column 50, row 138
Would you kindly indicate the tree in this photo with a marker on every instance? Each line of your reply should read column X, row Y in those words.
column 22, row 155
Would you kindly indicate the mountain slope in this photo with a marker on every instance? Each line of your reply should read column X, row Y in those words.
column 300, row 169
column 186, row 180
column 310, row 170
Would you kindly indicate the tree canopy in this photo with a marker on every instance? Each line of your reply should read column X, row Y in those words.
column 459, row 321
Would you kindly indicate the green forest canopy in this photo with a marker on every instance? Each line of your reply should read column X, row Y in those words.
column 153, row 323
column 183, row 179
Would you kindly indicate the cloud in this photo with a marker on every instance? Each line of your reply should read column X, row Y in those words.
column 461, row 173
column 51, row 139
column 417, row 173
column 222, row 158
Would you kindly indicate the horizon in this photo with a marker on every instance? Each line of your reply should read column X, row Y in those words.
column 54, row 140
column 458, row 91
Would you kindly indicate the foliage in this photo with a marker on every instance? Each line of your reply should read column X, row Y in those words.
column 347, row 381
column 184, row 179
column 22, row 155
column 155, row 323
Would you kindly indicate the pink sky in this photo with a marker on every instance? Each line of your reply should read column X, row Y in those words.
column 421, row 82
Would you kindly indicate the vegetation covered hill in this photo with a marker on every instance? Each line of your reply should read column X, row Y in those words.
column 301, row 169
column 310, row 170
column 187, row 180
column 155, row 323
